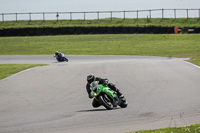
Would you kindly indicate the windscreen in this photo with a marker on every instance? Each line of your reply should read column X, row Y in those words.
column 93, row 85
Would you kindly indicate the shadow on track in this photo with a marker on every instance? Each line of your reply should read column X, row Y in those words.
column 93, row 110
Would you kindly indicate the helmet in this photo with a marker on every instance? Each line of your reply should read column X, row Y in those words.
column 91, row 78
column 56, row 53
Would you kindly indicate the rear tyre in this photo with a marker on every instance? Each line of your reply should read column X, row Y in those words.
column 106, row 101
column 66, row 59
column 123, row 103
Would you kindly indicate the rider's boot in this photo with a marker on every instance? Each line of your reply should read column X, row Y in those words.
column 114, row 88
column 119, row 94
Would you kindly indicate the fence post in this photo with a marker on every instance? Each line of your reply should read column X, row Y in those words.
column 174, row 13
column 43, row 16
column 2, row 17
column 70, row 16
column 199, row 13
column 29, row 16
column 84, row 15
column 162, row 13
column 111, row 15
column 150, row 14
column 124, row 15
column 98, row 15
column 187, row 13
column 16, row 17
column 137, row 14
column 57, row 15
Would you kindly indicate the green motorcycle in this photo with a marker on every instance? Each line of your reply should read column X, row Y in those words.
column 106, row 97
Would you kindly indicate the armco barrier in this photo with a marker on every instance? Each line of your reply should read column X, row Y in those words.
column 94, row 30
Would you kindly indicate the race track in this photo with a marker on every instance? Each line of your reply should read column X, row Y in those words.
column 161, row 92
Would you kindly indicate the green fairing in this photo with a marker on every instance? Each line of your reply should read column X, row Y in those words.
column 105, row 89
column 106, row 97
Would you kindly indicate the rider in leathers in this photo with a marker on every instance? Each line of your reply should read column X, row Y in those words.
column 90, row 79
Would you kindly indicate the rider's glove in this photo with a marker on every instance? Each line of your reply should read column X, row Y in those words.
column 90, row 96
column 105, row 84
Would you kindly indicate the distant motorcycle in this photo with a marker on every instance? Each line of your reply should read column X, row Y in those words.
column 61, row 57
column 106, row 97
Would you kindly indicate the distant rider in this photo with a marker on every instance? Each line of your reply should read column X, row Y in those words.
column 57, row 55
column 91, row 78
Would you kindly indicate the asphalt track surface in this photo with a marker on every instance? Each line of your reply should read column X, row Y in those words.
column 161, row 92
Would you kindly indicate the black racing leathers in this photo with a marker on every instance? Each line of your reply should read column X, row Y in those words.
column 104, row 82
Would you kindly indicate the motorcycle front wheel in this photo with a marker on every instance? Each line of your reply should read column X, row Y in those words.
column 106, row 101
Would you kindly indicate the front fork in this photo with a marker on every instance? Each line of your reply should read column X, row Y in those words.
column 114, row 99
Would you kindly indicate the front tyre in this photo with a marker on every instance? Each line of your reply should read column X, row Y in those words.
column 58, row 59
column 106, row 101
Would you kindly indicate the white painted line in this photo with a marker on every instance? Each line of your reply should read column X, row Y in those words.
column 192, row 64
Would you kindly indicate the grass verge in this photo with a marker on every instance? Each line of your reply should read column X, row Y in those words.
column 167, row 45
column 187, row 129
column 9, row 69
column 180, row 22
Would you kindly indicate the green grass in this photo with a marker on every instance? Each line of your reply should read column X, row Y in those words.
column 168, row 45
column 180, row 22
column 9, row 69
column 187, row 129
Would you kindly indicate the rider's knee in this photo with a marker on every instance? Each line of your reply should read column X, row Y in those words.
column 112, row 86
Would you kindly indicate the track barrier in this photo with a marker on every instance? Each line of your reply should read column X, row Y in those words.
column 95, row 30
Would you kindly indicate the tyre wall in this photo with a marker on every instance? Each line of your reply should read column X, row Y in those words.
column 93, row 30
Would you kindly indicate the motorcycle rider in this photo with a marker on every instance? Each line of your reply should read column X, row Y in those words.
column 57, row 54
column 91, row 78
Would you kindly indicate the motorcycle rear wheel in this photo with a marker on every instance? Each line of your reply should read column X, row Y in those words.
column 123, row 103
column 66, row 59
